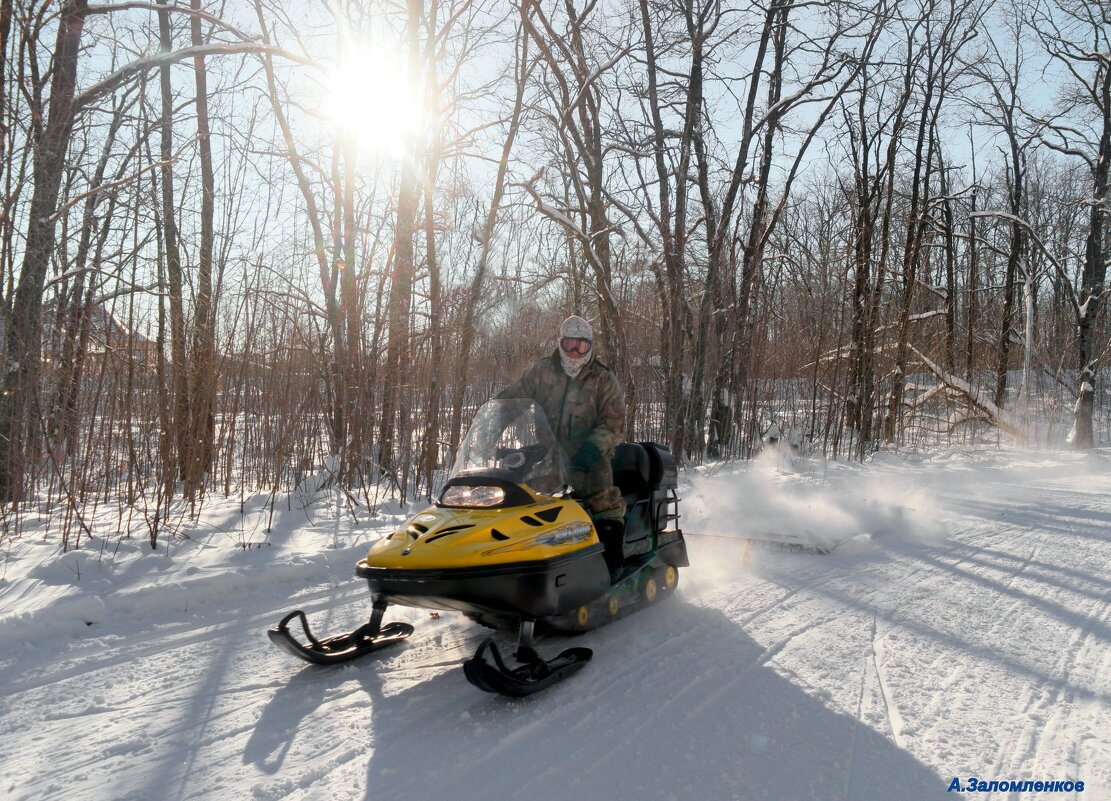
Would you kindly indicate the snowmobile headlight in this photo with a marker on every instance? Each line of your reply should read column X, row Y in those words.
column 459, row 495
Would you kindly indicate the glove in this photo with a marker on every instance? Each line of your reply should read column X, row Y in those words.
column 587, row 456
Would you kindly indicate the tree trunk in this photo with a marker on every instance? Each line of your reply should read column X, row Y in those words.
column 949, row 233
column 940, row 54
column 875, row 193
column 401, row 283
column 718, row 228
column 430, row 452
column 1014, row 254
column 179, row 365
column 752, row 256
column 348, row 427
column 202, row 397
column 1097, row 249
column 973, row 278
column 5, row 31
column 18, row 383
column 676, row 325
column 76, row 305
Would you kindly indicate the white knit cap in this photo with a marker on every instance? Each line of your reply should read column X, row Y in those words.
column 577, row 328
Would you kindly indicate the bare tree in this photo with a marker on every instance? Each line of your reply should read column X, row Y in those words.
column 670, row 218
column 23, row 329
column 402, row 274
column 340, row 363
column 199, row 456
column 576, row 58
column 18, row 385
column 77, row 301
column 1077, row 36
column 5, row 34
column 181, row 419
column 1002, row 74
column 829, row 73
column 521, row 70
column 958, row 25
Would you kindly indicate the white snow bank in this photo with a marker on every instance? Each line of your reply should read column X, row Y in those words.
column 961, row 630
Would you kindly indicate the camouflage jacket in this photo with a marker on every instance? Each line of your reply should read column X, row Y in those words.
column 589, row 407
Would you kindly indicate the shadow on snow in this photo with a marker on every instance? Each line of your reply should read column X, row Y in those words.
column 676, row 703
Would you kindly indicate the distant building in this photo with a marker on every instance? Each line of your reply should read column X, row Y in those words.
column 104, row 335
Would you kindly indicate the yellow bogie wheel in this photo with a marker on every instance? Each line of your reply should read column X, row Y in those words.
column 651, row 589
column 582, row 617
column 671, row 577
column 613, row 606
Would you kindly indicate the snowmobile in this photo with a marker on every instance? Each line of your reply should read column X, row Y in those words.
column 509, row 545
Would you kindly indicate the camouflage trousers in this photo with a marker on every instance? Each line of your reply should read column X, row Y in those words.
column 603, row 499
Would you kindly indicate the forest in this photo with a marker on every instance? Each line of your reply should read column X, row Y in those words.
column 247, row 244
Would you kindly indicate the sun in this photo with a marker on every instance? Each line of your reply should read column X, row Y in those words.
column 374, row 100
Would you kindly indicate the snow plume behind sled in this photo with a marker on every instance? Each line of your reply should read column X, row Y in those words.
column 846, row 508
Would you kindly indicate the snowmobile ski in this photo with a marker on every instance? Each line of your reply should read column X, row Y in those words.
column 534, row 675
column 372, row 636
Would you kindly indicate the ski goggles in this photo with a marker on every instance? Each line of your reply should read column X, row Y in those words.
column 575, row 346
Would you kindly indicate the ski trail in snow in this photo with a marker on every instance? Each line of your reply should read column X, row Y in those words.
column 1052, row 711
column 771, row 651
column 894, row 720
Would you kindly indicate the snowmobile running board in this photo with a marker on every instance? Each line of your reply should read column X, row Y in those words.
column 340, row 647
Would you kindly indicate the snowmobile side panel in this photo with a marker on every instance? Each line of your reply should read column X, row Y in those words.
column 625, row 597
column 530, row 589
column 637, row 537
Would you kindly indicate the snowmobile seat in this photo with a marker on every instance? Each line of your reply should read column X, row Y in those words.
column 632, row 472
column 662, row 471
column 663, row 481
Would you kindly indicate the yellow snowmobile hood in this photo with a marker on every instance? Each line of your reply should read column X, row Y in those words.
column 443, row 537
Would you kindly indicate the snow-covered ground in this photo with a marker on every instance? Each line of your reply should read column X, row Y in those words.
column 958, row 629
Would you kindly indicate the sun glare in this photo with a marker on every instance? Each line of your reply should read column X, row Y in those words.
column 373, row 100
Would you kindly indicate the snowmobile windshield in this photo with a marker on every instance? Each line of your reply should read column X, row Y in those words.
column 510, row 438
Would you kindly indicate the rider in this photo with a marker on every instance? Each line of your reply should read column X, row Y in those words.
column 585, row 407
